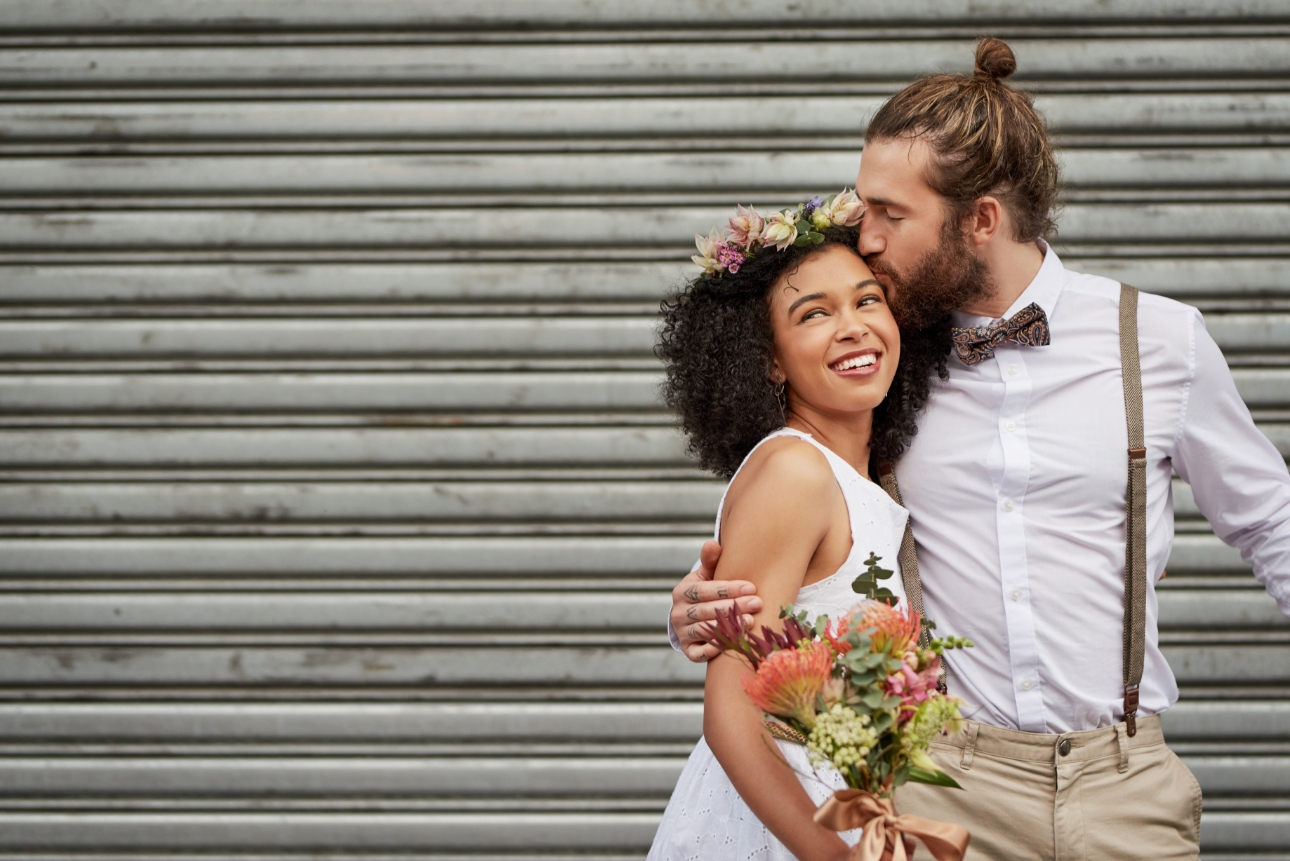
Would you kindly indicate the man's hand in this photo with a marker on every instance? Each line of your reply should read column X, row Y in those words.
column 697, row 599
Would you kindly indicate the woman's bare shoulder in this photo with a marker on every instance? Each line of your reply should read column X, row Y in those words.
column 785, row 472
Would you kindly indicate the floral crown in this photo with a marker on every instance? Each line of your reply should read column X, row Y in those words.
column 749, row 232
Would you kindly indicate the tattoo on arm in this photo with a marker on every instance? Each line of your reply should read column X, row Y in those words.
column 692, row 593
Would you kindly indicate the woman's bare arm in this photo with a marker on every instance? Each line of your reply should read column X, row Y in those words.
column 778, row 514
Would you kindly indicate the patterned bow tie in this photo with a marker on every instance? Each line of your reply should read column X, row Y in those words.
column 1028, row 327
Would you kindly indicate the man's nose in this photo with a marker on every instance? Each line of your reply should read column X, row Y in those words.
column 871, row 241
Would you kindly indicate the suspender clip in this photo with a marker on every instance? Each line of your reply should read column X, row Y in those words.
column 1137, row 454
column 1131, row 709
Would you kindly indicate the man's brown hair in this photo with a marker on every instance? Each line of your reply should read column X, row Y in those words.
column 986, row 139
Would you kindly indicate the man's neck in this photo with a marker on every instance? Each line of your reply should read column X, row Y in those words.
column 1012, row 267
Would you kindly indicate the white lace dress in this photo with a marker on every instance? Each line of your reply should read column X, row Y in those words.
column 706, row 820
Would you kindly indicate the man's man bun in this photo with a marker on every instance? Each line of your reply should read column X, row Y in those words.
column 994, row 59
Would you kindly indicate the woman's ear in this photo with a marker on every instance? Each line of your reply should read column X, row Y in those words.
column 776, row 373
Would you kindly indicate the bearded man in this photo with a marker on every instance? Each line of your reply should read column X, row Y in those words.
column 1039, row 484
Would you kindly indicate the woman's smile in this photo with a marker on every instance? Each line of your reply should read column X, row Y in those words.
column 857, row 363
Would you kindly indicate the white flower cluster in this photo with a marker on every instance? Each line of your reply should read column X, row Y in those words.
column 841, row 737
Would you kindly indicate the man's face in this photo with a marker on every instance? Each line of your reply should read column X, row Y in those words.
column 910, row 240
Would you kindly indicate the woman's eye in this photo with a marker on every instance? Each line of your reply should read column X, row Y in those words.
column 867, row 300
column 818, row 312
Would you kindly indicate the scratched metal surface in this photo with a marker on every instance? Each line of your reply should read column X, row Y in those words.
column 336, row 518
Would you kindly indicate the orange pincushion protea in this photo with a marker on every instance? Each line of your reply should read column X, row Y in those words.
column 895, row 631
column 790, row 681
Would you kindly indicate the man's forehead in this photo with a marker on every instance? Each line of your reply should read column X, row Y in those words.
column 889, row 168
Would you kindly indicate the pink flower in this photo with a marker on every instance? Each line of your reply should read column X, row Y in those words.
column 845, row 209
column 913, row 687
column 730, row 256
column 780, row 230
column 746, row 227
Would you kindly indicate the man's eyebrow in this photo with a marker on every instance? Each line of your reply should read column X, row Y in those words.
column 810, row 298
column 879, row 201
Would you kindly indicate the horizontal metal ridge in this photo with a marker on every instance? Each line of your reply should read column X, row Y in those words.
column 491, row 670
column 394, row 556
column 473, row 774
column 716, row 61
column 426, row 337
column 481, row 721
column 208, row 287
column 800, row 120
column 486, row 15
column 1190, row 720
column 1167, row 223
column 513, row 392
column 743, row 173
column 435, row 615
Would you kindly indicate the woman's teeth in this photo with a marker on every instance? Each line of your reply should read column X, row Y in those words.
column 856, row 362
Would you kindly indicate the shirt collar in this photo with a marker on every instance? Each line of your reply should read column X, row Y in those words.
column 1042, row 291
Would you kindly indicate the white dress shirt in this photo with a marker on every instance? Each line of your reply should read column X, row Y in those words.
column 1016, row 488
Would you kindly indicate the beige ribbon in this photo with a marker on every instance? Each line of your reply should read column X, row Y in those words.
column 888, row 836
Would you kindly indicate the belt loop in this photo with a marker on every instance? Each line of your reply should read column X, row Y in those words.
column 1122, row 736
column 969, row 749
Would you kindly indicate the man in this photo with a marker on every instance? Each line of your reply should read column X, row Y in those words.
column 1016, row 484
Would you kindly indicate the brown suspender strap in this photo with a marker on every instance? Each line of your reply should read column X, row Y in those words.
column 1135, row 551
column 908, row 558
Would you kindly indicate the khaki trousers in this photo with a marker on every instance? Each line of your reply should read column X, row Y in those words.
column 1108, row 797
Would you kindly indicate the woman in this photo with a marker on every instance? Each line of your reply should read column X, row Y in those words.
column 785, row 367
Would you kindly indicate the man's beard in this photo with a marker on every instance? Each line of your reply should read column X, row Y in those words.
column 947, row 277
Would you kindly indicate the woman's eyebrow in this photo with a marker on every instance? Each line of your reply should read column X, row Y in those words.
column 867, row 282
column 811, row 298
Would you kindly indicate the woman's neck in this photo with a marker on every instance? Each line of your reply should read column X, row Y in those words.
column 846, row 436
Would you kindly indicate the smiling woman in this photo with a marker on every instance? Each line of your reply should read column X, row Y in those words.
column 789, row 375
column 717, row 343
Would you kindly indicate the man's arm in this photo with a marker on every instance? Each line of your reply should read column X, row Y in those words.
column 698, row 598
column 1238, row 477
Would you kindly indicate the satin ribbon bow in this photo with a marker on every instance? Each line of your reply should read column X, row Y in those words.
column 887, row 835
column 1028, row 327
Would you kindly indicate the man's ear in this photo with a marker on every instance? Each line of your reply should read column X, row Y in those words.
column 986, row 219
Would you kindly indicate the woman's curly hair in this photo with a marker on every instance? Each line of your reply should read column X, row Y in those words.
column 717, row 346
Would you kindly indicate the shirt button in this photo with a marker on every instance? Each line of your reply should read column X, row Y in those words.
column 1008, row 505
column 1012, row 370
column 1016, row 594
column 1027, row 684
column 1010, row 426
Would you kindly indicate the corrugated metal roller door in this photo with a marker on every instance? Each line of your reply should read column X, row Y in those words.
column 338, row 511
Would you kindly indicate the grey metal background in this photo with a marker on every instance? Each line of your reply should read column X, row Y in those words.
column 337, row 511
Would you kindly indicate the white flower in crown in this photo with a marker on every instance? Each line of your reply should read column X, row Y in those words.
column 746, row 227
column 780, row 230
column 708, row 247
column 844, row 208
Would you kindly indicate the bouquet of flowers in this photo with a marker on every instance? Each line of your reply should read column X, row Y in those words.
column 862, row 694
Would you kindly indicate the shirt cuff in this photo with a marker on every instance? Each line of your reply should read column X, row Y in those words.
column 671, row 635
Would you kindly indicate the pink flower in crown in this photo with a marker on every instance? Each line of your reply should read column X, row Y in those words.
column 780, row 230
column 730, row 256
column 709, row 246
column 746, row 227
column 846, row 210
